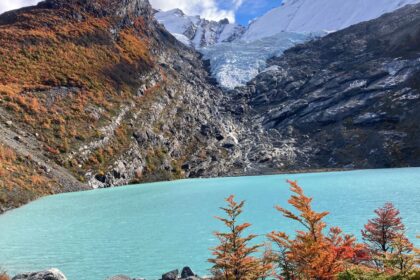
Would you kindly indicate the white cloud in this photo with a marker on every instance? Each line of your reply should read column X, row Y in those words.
column 205, row 8
column 6, row 5
column 238, row 3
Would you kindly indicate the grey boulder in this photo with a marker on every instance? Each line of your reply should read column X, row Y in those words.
column 173, row 275
column 50, row 274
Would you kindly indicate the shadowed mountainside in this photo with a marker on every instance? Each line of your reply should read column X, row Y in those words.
column 350, row 99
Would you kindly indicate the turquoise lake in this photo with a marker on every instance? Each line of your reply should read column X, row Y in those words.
column 146, row 230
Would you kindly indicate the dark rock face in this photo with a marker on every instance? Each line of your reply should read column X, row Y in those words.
column 51, row 274
column 350, row 99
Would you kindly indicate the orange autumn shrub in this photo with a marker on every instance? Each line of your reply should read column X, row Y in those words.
column 233, row 258
column 312, row 254
column 4, row 276
column 21, row 179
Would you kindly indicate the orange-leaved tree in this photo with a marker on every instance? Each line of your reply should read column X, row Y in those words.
column 234, row 259
column 311, row 254
column 385, row 237
column 380, row 231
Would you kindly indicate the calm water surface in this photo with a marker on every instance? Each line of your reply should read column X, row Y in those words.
column 146, row 230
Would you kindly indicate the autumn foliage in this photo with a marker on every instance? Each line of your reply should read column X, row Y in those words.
column 63, row 78
column 385, row 236
column 380, row 232
column 21, row 179
column 317, row 252
column 311, row 254
column 233, row 258
column 4, row 276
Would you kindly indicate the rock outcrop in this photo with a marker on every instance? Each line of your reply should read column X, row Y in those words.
column 186, row 274
column 51, row 274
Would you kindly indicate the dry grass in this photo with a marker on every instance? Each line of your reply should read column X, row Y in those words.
column 7, row 154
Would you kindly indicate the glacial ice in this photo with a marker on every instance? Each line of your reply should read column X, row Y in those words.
column 236, row 63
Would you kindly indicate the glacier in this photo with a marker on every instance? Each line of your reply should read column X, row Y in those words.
column 234, row 64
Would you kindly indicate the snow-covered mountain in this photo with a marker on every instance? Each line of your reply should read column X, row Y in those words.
column 233, row 62
column 237, row 54
column 319, row 15
column 197, row 32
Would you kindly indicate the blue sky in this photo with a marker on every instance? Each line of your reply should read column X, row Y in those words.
column 251, row 9
column 240, row 10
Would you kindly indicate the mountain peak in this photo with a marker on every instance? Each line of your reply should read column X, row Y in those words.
column 120, row 8
column 196, row 31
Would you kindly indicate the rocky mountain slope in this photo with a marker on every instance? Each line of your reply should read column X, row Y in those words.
column 98, row 94
column 350, row 99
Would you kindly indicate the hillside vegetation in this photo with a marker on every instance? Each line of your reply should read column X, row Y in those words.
column 21, row 180
column 101, row 89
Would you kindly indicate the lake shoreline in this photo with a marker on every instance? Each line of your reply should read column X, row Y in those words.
column 268, row 173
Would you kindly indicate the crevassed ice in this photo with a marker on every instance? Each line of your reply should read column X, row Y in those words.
column 236, row 63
